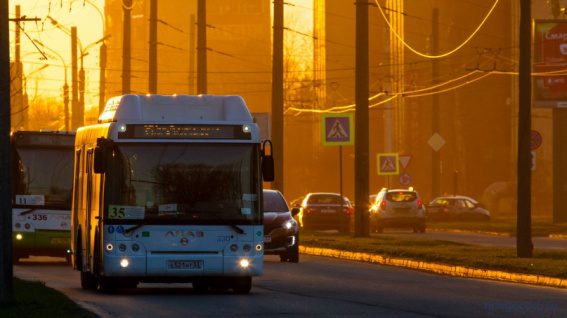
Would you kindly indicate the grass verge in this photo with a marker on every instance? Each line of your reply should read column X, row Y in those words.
column 34, row 299
column 545, row 263
column 506, row 225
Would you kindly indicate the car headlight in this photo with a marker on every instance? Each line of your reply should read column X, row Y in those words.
column 288, row 224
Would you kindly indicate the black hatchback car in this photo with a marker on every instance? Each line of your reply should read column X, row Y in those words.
column 325, row 211
column 281, row 232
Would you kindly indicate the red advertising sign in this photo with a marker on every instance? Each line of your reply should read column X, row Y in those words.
column 550, row 62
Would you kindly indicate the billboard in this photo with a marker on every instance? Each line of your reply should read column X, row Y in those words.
column 550, row 64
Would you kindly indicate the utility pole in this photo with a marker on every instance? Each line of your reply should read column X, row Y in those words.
column 277, row 96
column 152, row 89
column 102, row 81
column 201, row 47
column 435, row 156
column 361, row 148
column 524, row 244
column 192, row 55
column 81, row 94
column 6, row 269
column 126, row 46
column 77, row 116
column 19, row 103
column 18, row 99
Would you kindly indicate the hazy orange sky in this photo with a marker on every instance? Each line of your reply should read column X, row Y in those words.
column 86, row 15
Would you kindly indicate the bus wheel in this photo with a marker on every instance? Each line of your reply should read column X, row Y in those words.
column 88, row 281
column 16, row 258
column 242, row 285
column 107, row 285
column 201, row 286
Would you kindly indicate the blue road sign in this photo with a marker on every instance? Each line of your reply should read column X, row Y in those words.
column 404, row 179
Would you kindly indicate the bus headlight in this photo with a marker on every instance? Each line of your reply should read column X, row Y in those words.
column 246, row 248
column 109, row 247
column 244, row 263
column 124, row 263
column 19, row 236
column 122, row 247
column 234, row 248
column 246, row 129
column 258, row 247
column 135, row 247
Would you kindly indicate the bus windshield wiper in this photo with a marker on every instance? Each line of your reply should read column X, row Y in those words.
column 227, row 222
column 189, row 208
column 28, row 211
column 149, row 221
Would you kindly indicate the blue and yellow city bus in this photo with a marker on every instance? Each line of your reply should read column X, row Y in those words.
column 169, row 189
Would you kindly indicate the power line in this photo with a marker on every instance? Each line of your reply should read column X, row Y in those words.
column 440, row 55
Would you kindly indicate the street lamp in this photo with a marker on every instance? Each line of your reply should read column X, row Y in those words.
column 28, row 75
column 102, row 61
column 76, row 108
column 83, row 52
column 65, row 86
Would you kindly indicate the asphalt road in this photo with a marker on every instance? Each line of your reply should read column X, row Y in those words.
column 316, row 286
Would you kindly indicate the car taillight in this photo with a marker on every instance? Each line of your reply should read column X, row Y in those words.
column 445, row 210
column 308, row 211
column 348, row 210
column 383, row 205
column 419, row 204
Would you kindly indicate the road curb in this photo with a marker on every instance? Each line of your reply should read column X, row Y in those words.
column 449, row 270
column 470, row 231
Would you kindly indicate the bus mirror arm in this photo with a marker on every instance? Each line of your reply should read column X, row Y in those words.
column 267, row 162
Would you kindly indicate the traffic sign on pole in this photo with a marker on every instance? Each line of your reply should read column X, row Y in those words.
column 388, row 164
column 535, row 139
column 404, row 161
column 337, row 129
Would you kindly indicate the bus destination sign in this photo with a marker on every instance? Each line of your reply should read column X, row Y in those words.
column 183, row 131
column 45, row 139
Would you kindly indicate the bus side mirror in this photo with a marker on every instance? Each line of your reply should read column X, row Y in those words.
column 295, row 211
column 103, row 145
column 267, row 163
column 98, row 166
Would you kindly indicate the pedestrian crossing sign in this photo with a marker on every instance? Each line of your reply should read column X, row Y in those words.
column 388, row 164
column 337, row 129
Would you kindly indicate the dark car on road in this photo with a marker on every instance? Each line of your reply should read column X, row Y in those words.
column 325, row 211
column 281, row 231
column 456, row 208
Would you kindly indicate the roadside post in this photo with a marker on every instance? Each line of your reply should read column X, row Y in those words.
column 338, row 130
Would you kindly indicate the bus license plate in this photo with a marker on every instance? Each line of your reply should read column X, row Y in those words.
column 184, row 264
column 60, row 240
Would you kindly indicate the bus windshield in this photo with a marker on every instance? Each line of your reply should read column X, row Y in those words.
column 43, row 176
column 193, row 182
